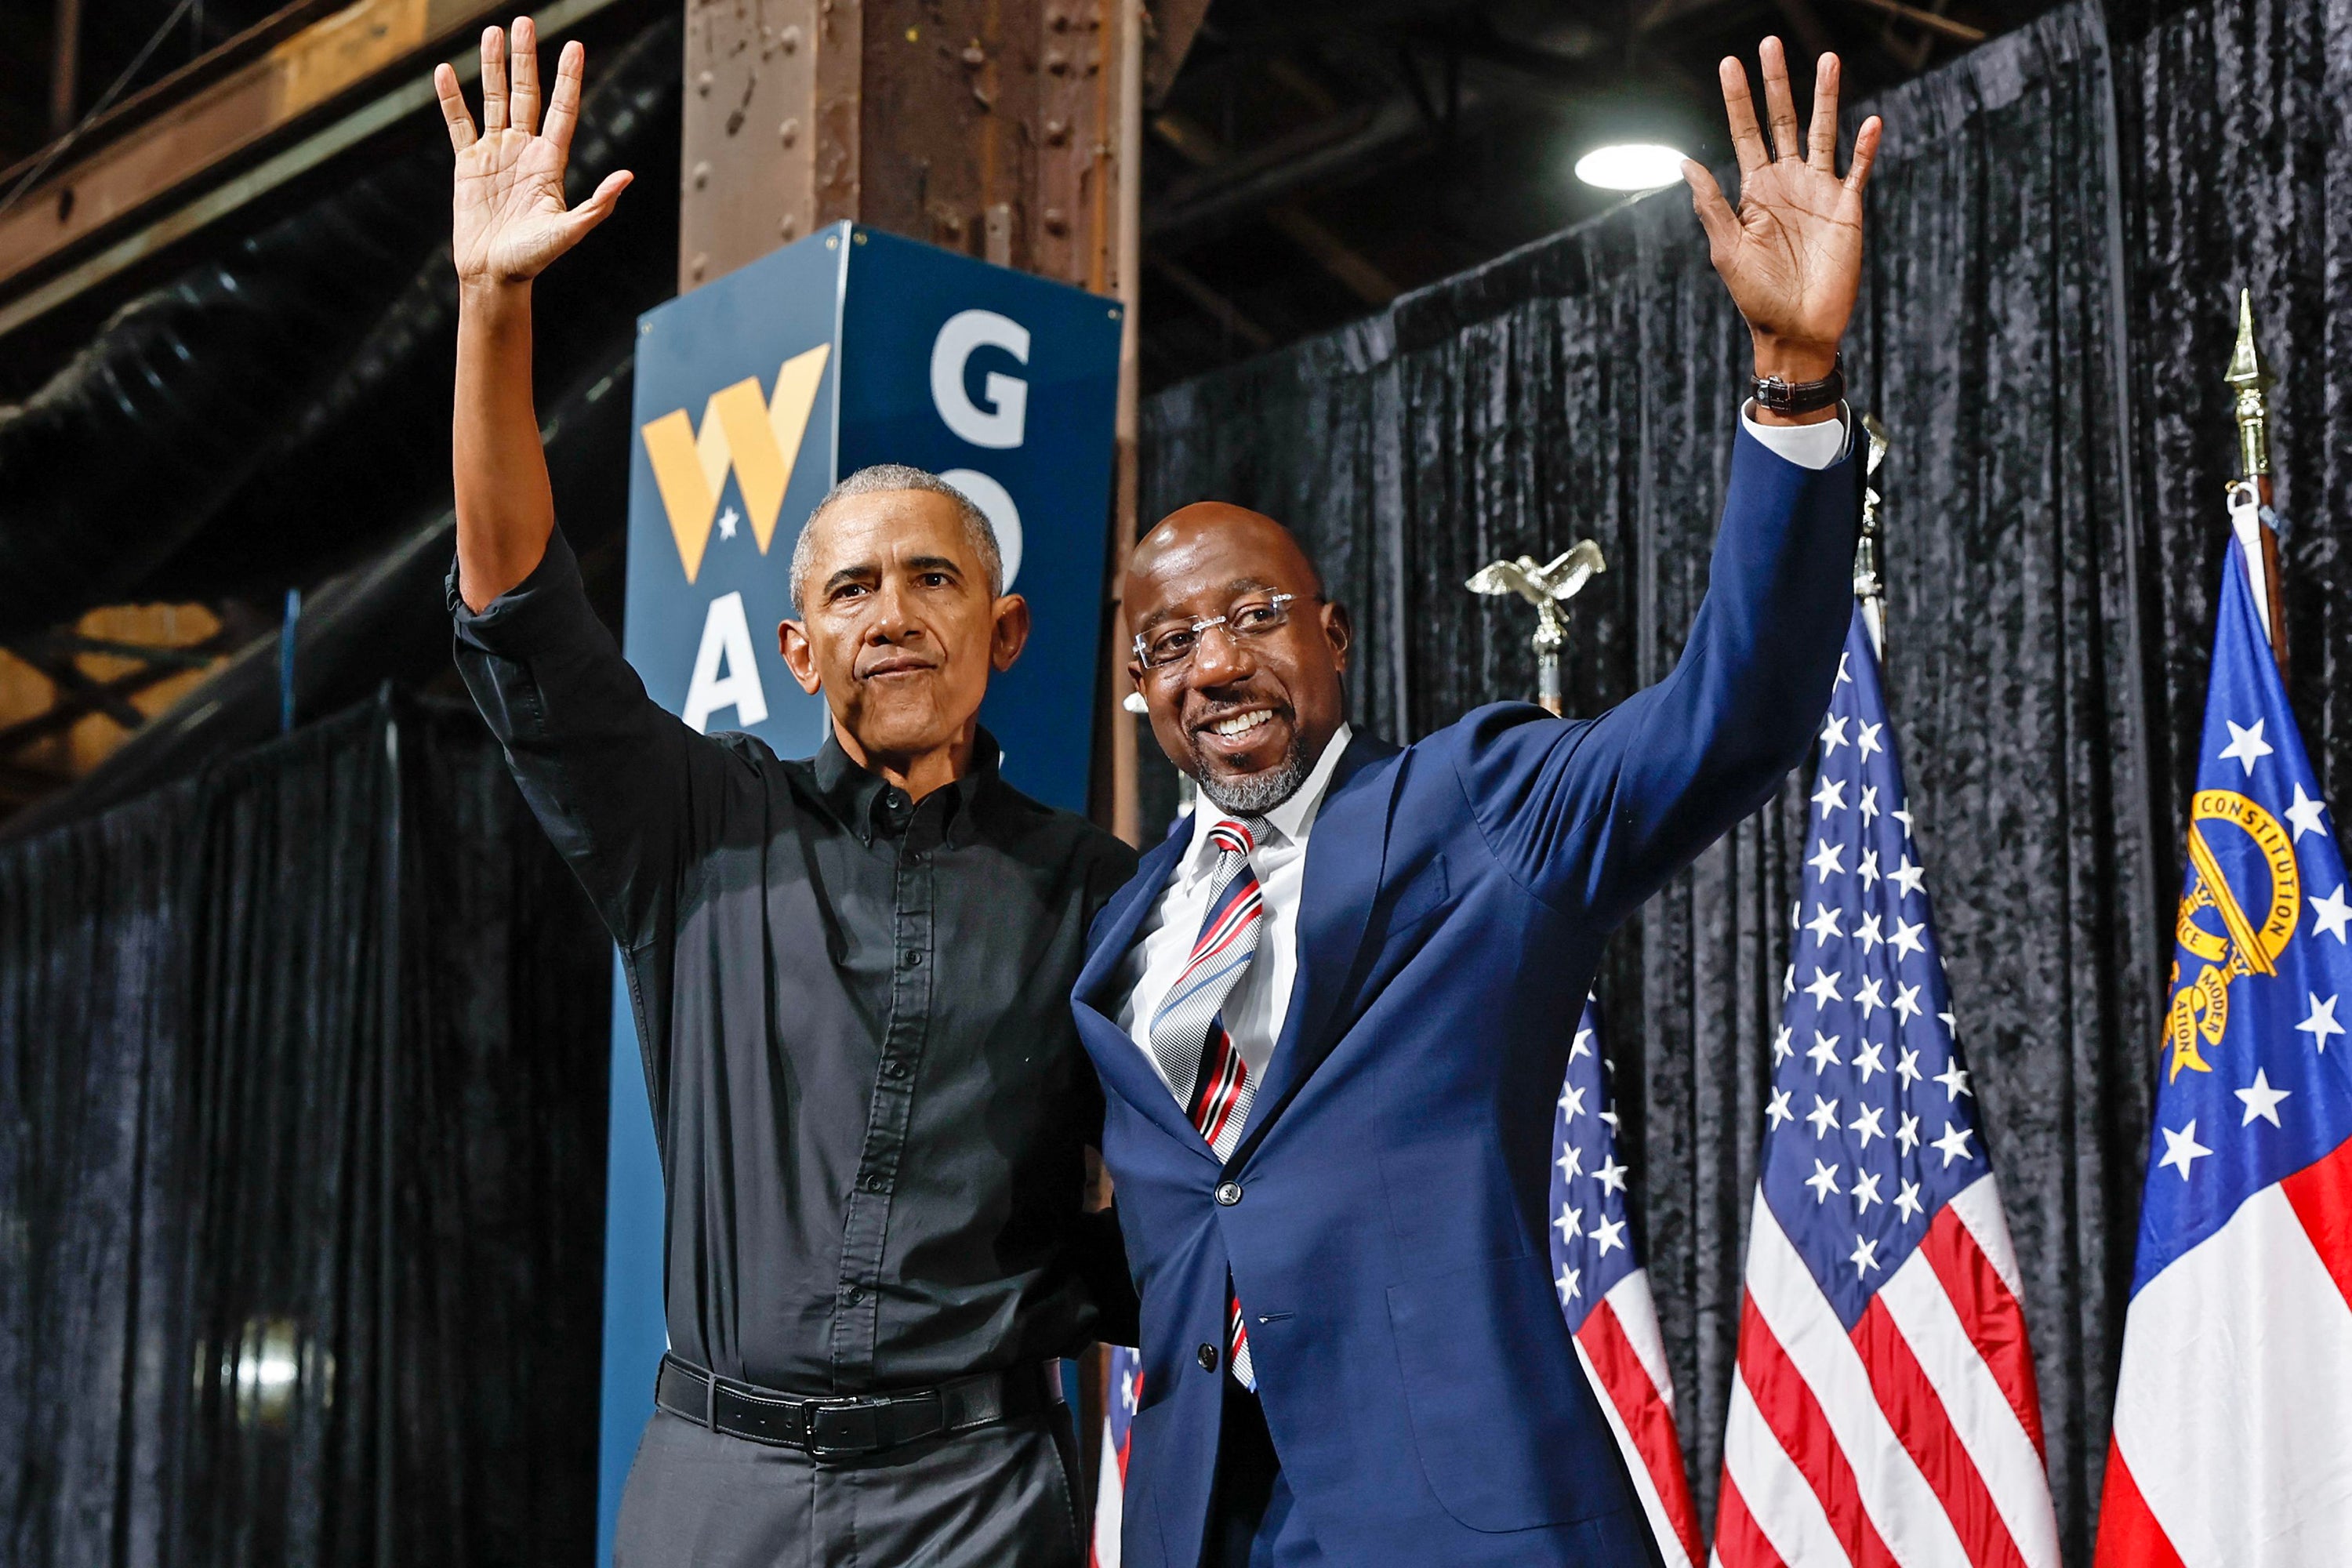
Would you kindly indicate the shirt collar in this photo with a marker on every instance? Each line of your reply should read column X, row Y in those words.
column 864, row 802
column 1292, row 820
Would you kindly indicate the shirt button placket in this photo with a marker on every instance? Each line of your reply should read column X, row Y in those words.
column 889, row 1108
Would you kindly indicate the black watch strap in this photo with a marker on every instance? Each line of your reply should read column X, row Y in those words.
column 1776, row 396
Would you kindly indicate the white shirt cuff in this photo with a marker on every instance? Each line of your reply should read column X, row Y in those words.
column 1807, row 446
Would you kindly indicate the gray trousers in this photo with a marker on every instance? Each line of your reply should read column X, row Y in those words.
column 1001, row 1497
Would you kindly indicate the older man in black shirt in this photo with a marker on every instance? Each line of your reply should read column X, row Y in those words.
column 850, row 976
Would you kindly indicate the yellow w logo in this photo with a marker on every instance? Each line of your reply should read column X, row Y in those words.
column 760, row 439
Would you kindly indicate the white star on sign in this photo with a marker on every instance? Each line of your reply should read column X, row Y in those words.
column 1570, row 1163
column 1865, row 1256
column 1833, row 734
column 1870, row 1059
column 1955, row 1081
column 2245, row 747
column 1827, row 858
column 1609, row 1234
column 1782, row 1049
column 1611, row 1175
column 1824, row 923
column 1865, row 739
column 1867, row 932
column 1869, row 996
column 1906, row 1136
column 2305, row 815
column 1571, row 1101
column 1906, row 876
column 1570, row 1222
column 1823, row 1181
column 1865, row 1193
column 1823, row 1116
column 2329, row 915
column 1831, row 797
column 1907, row 1201
column 1824, row 1051
column 1822, row 987
column 1869, row 805
column 2181, row 1148
column 1778, row 1110
column 1906, row 1001
column 727, row 521
column 1567, row 1286
column 1868, row 872
column 1867, row 1124
column 1905, row 940
column 1953, row 1145
column 2261, row 1099
column 2322, row 1022
column 1581, row 1045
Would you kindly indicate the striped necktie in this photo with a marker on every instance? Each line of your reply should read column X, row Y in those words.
column 1189, row 1039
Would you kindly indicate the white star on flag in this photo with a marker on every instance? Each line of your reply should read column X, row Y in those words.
column 2305, row 814
column 1831, row 797
column 1823, row 1181
column 1823, row 1116
column 1834, row 732
column 1609, row 1234
column 1865, row 1254
column 2246, row 746
column 1824, row 987
column 1829, row 857
column 1866, row 738
column 2321, row 1024
column 1954, row 1145
column 2330, row 915
column 2181, row 1148
column 2261, row 1099
column 1778, row 1109
column 1571, row 1101
column 1570, row 1222
column 1906, row 877
column 1823, row 1054
column 1955, row 1081
column 1906, row 939
column 1824, row 923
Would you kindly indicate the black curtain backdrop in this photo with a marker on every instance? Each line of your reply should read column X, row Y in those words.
column 302, row 1072
column 2058, row 224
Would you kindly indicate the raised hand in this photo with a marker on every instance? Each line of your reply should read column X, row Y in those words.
column 508, row 219
column 1791, row 254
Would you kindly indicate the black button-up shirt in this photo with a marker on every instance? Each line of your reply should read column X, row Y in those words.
column 868, row 1088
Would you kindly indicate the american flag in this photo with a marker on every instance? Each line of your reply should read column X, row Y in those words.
column 1884, row 1409
column 1604, row 1293
column 1122, row 1395
column 2232, row 1438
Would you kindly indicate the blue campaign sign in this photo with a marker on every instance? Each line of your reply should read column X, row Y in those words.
column 753, row 395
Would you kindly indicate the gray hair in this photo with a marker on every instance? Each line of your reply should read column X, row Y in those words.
column 886, row 477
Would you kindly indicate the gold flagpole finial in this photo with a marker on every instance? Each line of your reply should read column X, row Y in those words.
column 2249, row 378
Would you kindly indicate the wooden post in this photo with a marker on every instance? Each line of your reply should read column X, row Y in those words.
column 65, row 67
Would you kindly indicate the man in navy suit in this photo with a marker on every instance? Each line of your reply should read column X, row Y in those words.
column 1331, row 1015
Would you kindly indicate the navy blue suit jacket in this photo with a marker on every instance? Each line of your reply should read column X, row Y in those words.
column 1389, row 1245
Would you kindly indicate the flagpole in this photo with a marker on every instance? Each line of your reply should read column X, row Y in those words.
column 2250, row 494
column 1868, row 586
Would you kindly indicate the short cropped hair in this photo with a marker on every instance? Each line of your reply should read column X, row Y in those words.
column 885, row 476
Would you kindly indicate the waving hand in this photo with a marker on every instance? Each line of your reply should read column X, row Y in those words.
column 1792, row 253
column 508, row 219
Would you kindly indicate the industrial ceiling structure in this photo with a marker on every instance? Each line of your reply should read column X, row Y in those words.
column 209, row 401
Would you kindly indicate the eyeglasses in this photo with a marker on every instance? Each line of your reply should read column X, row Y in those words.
column 1253, row 617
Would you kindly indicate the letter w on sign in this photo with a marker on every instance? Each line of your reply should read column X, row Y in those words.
column 758, row 437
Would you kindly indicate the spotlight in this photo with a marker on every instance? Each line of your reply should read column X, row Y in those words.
column 1631, row 167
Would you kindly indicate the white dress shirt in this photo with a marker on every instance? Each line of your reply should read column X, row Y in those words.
column 1259, row 1001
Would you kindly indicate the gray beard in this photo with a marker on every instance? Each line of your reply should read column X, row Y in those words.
column 1259, row 793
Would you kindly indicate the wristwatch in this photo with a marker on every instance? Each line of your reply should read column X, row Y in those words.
column 1776, row 396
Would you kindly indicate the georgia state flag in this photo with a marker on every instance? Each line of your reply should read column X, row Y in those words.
column 2233, row 1409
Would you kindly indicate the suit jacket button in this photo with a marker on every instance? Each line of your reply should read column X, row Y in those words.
column 1208, row 1354
column 1229, row 1193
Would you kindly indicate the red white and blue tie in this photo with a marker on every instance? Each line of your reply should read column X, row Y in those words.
column 1189, row 1039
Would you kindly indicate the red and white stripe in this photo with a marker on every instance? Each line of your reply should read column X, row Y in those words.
column 1913, row 1440
column 2232, row 1440
column 1625, row 1359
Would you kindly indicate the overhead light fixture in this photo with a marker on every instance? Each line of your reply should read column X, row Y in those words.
column 1631, row 167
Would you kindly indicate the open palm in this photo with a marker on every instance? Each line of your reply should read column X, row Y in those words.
column 1792, row 253
column 507, row 218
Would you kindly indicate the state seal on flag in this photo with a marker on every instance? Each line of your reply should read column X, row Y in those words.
column 2201, row 1008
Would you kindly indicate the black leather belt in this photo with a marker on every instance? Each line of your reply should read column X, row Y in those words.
column 851, row 1426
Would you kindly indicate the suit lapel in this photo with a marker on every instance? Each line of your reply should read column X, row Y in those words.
column 1345, row 853
column 1121, row 1064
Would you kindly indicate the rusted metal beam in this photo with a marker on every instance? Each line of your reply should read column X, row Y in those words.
column 180, row 144
column 199, row 203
